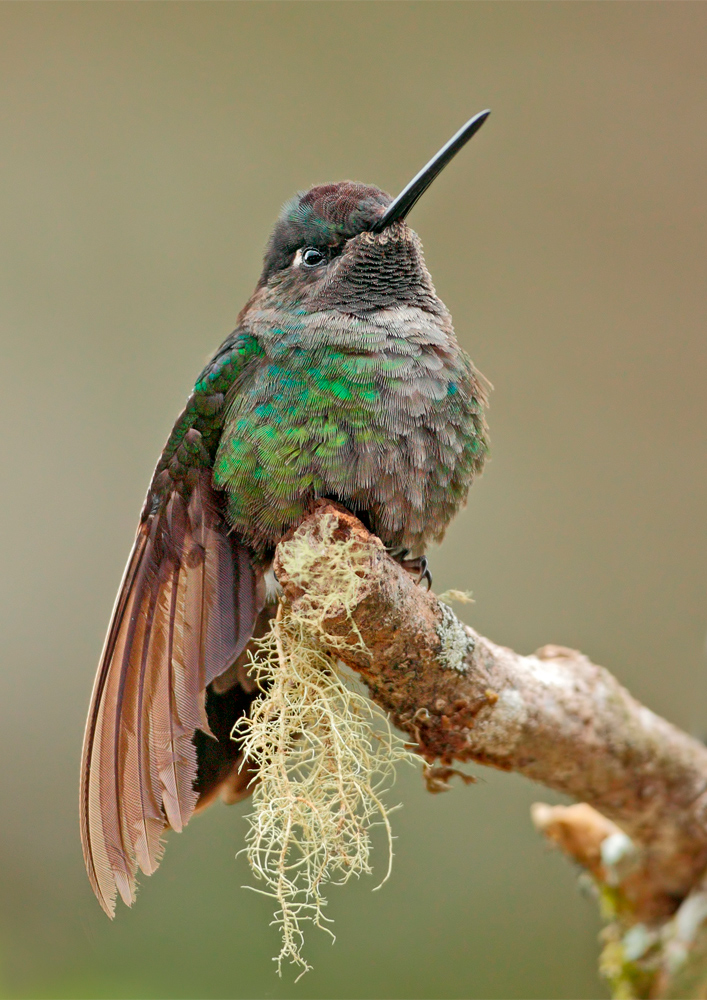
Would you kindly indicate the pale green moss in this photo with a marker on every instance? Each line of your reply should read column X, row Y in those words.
column 455, row 642
column 323, row 752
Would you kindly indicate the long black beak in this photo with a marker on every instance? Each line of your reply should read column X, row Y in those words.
column 400, row 206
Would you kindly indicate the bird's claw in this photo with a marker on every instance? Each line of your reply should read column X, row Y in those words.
column 425, row 573
column 417, row 566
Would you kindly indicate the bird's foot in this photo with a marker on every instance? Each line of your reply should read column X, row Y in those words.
column 417, row 566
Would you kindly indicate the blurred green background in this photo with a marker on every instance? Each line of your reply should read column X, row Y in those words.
column 146, row 149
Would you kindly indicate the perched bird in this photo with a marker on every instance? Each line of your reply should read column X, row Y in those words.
column 343, row 379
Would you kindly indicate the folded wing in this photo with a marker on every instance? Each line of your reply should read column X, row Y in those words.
column 185, row 611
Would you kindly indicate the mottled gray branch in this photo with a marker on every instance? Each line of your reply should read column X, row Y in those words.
column 553, row 716
column 659, row 960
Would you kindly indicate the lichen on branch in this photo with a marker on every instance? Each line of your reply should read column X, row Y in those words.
column 553, row 716
column 324, row 755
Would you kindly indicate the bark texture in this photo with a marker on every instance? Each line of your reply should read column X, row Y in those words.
column 553, row 716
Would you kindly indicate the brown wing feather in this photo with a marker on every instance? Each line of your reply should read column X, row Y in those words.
column 185, row 611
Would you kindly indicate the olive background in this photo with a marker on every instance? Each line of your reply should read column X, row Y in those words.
column 145, row 152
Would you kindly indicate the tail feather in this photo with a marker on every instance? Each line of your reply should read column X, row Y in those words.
column 185, row 611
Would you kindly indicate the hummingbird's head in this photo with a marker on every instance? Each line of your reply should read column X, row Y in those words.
column 324, row 254
column 346, row 246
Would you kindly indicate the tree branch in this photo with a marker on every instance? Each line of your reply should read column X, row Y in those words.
column 553, row 716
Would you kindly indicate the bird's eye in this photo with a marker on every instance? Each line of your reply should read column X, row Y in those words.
column 311, row 257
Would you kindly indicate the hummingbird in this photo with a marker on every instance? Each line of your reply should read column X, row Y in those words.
column 343, row 379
